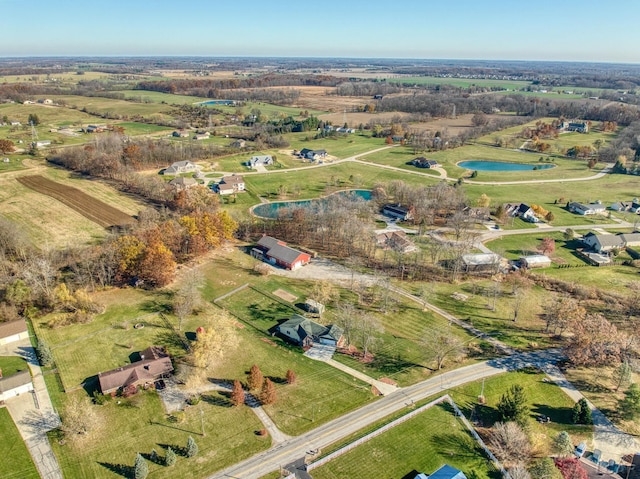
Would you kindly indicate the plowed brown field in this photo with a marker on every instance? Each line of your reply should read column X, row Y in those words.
column 88, row 206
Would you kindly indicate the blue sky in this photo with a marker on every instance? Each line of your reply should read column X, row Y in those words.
column 570, row 30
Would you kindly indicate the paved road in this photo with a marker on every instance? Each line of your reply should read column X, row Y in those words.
column 328, row 433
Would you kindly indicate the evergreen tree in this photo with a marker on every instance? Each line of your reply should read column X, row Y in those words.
column 513, row 405
column 562, row 444
column 140, row 469
column 192, row 447
column 170, row 458
column 237, row 394
column 268, row 393
column 581, row 413
column 630, row 405
column 43, row 351
column 255, row 378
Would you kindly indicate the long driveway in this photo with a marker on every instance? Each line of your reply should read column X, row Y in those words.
column 328, row 433
column 33, row 414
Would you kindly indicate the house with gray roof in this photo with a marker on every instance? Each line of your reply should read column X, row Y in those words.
column 313, row 154
column 603, row 243
column 587, row 209
column 180, row 167
column 262, row 160
column 14, row 385
column 154, row 364
column 305, row 332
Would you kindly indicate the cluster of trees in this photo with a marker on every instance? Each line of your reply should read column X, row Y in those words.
column 276, row 96
column 117, row 158
column 211, row 88
column 367, row 88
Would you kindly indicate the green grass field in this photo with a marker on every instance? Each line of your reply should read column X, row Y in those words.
column 542, row 398
column 421, row 444
column 461, row 82
column 139, row 425
column 15, row 461
column 12, row 364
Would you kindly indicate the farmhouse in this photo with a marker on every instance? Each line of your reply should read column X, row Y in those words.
column 481, row 262
column 587, row 209
column 180, row 134
column 14, row 385
column 263, row 160
column 41, row 143
column 154, row 364
column 11, row 331
column 180, row 167
column 201, row 136
column 535, row 261
column 313, row 155
column 95, row 128
column 278, row 253
column 229, row 185
column 423, row 162
column 397, row 211
column 445, row 472
column 579, row 126
column 305, row 332
column 603, row 243
column 238, row 144
column 182, row 183
column 632, row 206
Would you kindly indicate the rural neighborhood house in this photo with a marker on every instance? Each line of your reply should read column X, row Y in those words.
column 277, row 252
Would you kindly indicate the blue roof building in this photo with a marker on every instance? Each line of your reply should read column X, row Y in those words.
column 445, row 472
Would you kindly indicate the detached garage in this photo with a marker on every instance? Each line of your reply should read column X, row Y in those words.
column 535, row 261
column 16, row 384
column 11, row 331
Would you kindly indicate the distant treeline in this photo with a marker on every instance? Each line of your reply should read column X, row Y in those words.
column 207, row 87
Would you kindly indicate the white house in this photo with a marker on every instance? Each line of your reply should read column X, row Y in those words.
column 587, row 209
column 603, row 243
column 180, row 167
column 263, row 160
column 230, row 184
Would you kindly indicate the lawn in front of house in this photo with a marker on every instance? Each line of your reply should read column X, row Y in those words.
column 421, row 444
column 139, row 424
column 15, row 460
column 10, row 365
column 543, row 398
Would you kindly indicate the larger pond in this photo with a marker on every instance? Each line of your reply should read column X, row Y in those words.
column 270, row 210
column 483, row 165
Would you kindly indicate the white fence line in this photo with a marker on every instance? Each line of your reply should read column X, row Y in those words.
column 404, row 418
column 375, row 433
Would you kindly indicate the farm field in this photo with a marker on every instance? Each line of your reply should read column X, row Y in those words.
column 121, row 109
column 15, row 460
column 460, row 82
column 93, row 209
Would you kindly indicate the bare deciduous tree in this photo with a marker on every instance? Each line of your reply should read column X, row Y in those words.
column 510, row 444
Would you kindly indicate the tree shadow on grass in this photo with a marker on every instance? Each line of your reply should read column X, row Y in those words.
column 411, row 475
column 120, row 469
column 218, row 398
column 558, row 415
column 175, row 344
column 277, row 379
column 91, row 386
column 179, row 450
column 160, row 303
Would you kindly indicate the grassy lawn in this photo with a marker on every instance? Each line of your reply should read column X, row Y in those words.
column 131, row 128
column 515, row 246
column 15, row 460
column 321, row 181
column 139, row 424
column 114, row 341
column 15, row 163
column 122, row 108
column 542, row 398
column 421, row 444
column 12, row 364
column 159, row 97
column 478, row 310
column 597, row 386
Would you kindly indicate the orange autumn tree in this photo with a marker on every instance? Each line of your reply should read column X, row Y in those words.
column 158, row 266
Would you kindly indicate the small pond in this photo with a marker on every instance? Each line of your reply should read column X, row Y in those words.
column 270, row 210
column 484, row 165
